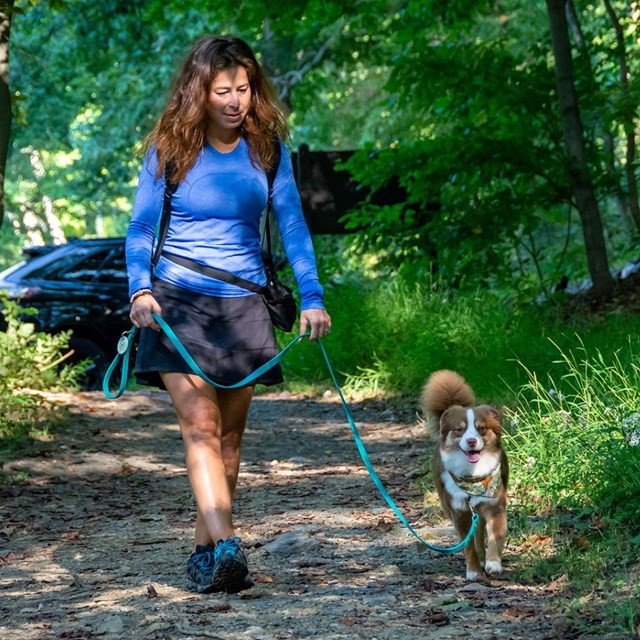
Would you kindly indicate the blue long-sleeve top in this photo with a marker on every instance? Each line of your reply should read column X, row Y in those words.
column 215, row 220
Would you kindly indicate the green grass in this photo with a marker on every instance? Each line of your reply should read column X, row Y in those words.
column 390, row 335
column 575, row 436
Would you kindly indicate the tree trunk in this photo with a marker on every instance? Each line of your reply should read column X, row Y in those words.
column 6, row 11
column 628, row 116
column 620, row 197
column 577, row 167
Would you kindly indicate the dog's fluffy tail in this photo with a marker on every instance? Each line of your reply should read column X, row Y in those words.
column 442, row 390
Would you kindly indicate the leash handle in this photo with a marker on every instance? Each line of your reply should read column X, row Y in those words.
column 124, row 353
column 124, row 349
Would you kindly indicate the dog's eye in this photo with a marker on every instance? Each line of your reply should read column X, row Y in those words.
column 482, row 429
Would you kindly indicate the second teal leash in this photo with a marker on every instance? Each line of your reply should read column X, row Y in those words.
column 124, row 349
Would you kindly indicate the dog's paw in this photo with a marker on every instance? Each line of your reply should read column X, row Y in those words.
column 473, row 575
column 493, row 567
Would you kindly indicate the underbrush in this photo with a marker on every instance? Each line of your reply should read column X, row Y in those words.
column 31, row 362
column 574, row 450
column 575, row 436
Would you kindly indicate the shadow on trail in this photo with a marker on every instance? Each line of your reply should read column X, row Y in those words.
column 94, row 539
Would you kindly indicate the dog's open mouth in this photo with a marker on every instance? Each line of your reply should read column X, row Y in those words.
column 472, row 456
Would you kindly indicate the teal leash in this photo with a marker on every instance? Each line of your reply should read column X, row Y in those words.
column 124, row 350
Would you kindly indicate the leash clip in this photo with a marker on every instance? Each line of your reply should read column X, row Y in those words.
column 123, row 343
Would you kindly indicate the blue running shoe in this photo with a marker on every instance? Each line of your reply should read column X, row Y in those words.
column 200, row 567
column 230, row 571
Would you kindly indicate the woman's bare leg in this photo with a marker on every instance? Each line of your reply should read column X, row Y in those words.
column 212, row 422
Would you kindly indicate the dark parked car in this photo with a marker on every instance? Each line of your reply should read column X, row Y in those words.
column 82, row 286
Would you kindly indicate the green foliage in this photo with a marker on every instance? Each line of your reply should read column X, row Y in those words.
column 458, row 99
column 30, row 361
column 474, row 128
column 576, row 436
column 393, row 332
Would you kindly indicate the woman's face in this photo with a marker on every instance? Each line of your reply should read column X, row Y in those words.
column 229, row 100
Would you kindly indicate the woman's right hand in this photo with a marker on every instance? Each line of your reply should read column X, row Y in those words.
column 142, row 308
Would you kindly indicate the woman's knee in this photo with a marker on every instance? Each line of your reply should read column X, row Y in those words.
column 200, row 426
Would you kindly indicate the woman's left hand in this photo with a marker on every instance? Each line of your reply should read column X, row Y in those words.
column 317, row 320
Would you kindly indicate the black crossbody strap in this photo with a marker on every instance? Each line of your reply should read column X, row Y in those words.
column 212, row 272
column 169, row 190
column 271, row 177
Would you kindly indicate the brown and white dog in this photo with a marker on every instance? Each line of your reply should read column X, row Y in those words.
column 469, row 467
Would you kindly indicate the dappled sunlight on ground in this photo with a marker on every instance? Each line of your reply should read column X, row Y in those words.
column 97, row 526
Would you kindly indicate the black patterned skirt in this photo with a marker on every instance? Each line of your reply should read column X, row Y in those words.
column 229, row 338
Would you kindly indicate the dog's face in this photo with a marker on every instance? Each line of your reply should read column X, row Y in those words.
column 469, row 434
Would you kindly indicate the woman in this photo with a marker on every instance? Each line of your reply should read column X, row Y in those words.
column 216, row 139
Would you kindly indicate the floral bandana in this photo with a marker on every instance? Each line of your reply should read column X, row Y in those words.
column 483, row 486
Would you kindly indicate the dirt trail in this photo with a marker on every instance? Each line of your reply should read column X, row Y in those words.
column 95, row 534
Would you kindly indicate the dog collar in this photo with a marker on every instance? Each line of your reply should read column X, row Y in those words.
column 484, row 486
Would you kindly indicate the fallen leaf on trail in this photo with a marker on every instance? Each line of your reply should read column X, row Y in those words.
column 263, row 578
column 435, row 617
column 519, row 611
column 348, row 622
column 12, row 556
column 151, row 592
column 430, row 584
column 203, row 610
column 71, row 535
column 383, row 525
column 310, row 564
column 560, row 583
column 536, row 540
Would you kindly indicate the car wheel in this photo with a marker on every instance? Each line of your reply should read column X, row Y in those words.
column 86, row 349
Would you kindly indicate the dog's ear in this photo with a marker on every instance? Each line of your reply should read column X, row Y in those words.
column 443, row 427
column 452, row 418
column 492, row 417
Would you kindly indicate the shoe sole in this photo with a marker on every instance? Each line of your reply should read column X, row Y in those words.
column 231, row 576
column 207, row 588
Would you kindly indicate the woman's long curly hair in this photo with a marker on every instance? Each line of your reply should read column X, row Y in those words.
column 180, row 134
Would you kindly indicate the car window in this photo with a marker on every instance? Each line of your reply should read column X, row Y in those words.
column 114, row 267
column 86, row 264
column 103, row 266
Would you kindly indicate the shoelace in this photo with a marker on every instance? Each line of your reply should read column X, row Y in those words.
column 230, row 545
column 204, row 560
